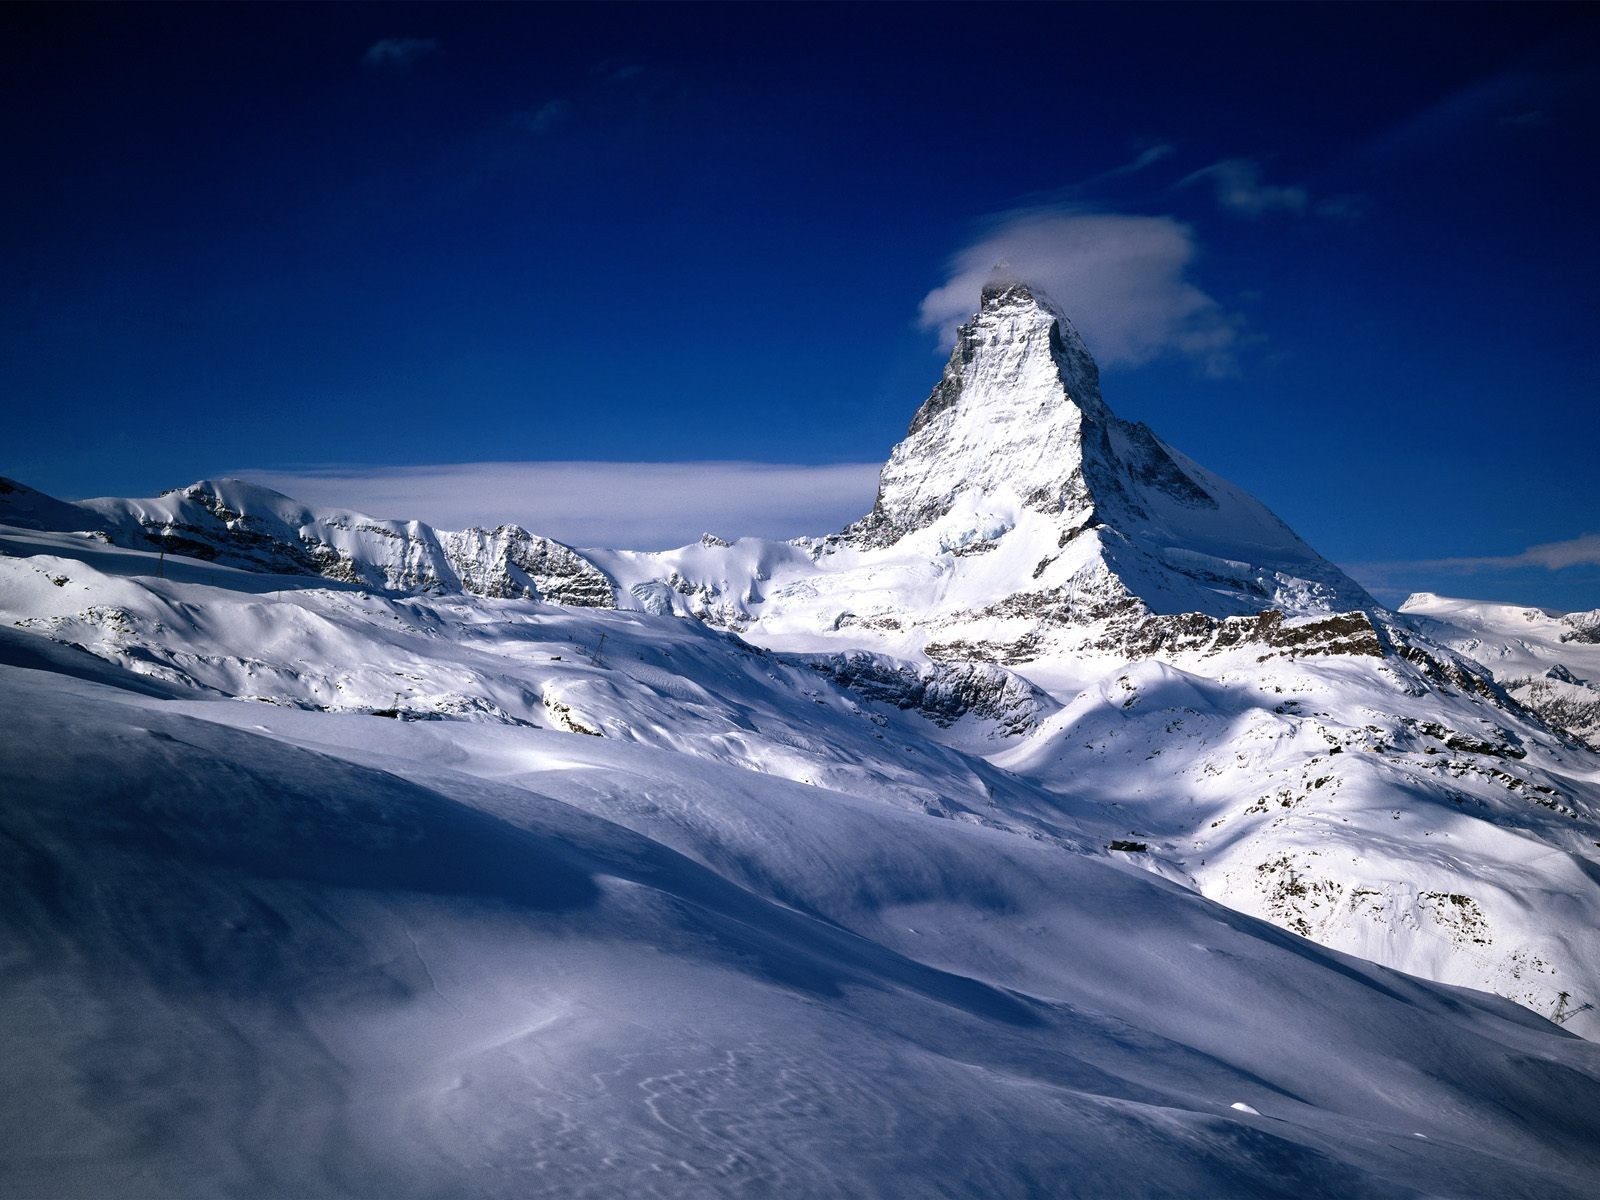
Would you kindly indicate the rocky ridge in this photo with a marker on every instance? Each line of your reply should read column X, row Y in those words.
column 253, row 528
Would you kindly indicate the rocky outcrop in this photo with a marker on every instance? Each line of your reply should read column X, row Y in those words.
column 512, row 563
column 1146, row 635
column 1582, row 627
column 943, row 692
column 1566, row 704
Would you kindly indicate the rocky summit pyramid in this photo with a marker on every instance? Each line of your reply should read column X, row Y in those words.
column 1015, row 443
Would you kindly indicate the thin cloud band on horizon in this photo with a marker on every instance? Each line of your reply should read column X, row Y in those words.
column 1575, row 560
column 1580, row 551
column 630, row 505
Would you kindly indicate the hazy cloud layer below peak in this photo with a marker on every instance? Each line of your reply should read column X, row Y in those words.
column 1122, row 279
column 624, row 505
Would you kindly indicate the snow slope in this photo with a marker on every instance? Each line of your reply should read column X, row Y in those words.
column 1356, row 799
column 952, row 854
column 261, row 950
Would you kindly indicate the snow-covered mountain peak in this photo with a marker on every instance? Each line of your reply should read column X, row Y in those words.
column 246, row 526
column 1005, row 420
column 1016, row 449
column 1014, row 313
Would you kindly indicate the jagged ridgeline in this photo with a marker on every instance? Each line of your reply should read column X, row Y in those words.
column 253, row 528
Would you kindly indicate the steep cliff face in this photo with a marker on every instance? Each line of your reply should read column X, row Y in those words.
column 1006, row 423
column 238, row 524
column 510, row 562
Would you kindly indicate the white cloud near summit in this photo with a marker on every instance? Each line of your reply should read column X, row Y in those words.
column 630, row 505
column 1122, row 279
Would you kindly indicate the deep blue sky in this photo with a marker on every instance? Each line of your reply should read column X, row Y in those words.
column 232, row 237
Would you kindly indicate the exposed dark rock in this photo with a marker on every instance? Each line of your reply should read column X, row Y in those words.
column 1585, row 627
column 944, row 692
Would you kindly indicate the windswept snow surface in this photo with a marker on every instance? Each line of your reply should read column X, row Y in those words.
column 288, row 947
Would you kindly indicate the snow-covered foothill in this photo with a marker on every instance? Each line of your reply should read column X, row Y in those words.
column 1550, row 661
column 267, row 950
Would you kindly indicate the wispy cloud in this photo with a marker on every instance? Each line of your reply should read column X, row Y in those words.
column 546, row 117
column 1146, row 158
column 643, row 506
column 1580, row 551
column 1512, row 100
column 543, row 119
column 399, row 53
column 1093, row 191
column 1122, row 279
column 1393, row 580
column 1239, row 187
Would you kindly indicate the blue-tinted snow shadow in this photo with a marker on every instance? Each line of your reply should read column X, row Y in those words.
column 171, row 820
